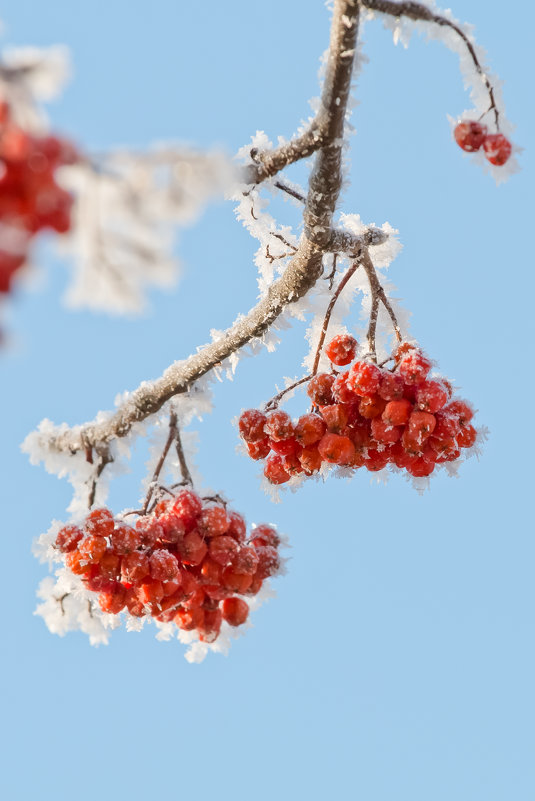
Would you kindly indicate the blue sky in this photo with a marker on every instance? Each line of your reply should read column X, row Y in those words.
column 397, row 660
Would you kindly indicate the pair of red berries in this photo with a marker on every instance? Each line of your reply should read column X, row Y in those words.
column 366, row 416
column 30, row 198
column 186, row 563
column 471, row 136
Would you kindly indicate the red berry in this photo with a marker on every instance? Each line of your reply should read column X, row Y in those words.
column 134, row 567
column 235, row 611
column 211, row 571
column 336, row 449
column 211, row 625
column 275, row 471
column 371, row 406
column 187, row 505
column 100, row 523
column 112, row 601
column 470, row 135
column 223, row 550
column 341, row 350
column 251, row 425
column 192, row 548
column 124, row 539
column 150, row 591
column 265, row 535
column 397, row 412
column 421, row 424
column 279, row 425
column 258, row 450
column 420, row 468
column 171, row 527
column 110, row 565
column 385, row 432
column 92, row 549
column 319, row 389
column 310, row 459
column 236, row 581
column 268, row 561
column 431, row 396
column 460, row 410
column 213, row 521
column 68, row 538
column 284, row 447
column 467, row 436
column 189, row 619
column 414, row 367
column 309, row 429
column 77, row 563
column 340, row 390
column 164, row 566
column 364, row 378
column 246, row 561
column 149, row 531
column 391, row 387
column 335, row 416
column 237, row 527
column 497, row 149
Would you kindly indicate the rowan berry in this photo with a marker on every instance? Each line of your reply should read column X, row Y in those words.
column 414, row 367
column 188, row 506
column 279, row 425
column 258, row 450
column 113, row 600
column 470, row 135
column 265, row 535
column 319, row 389
column 421, row 424
column 237, row 527
column 223, row 550
column 77, row 563
column 467, row 436
column 164, row 565
column 336, row 449
column 192, row 548
column 397, row 412
column 170, row 526
column 135, row 566
column 371, row 406
column 341, row 349
column 100, row 523
column 275, row 471
column 236, row 581
column 364, row 378
column 391, row 387
column 124, row 539
column 431, row 396
column 68, row 538
column 268, row 561
column 309, row 429
column 150, row 591
column 213, row 521
column 284, row 447
column 385, row 432
column 497, row 149
column 310, row 459
column 92, row 549
column 341, row 391
column 235, row 611
column 251, row 425
column 335, row 417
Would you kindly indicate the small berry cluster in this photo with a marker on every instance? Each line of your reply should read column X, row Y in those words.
column 472, row 136
column 187, row 562
column 366, row 416
column 30, row 198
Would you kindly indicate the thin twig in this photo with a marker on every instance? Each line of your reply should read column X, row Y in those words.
column 274, row 401
column 417, row 11
column 379, row 293
column 184, row 469
column 105, row 458
column 290, row 191
column 158, row 469
column 349, row 274
column 330, row 277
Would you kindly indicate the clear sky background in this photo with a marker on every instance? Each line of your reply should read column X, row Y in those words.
column 397, row 661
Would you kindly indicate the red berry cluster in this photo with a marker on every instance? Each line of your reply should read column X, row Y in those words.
column 185, row 562
column 471, row 136
column 367, row 416
column 30, row 198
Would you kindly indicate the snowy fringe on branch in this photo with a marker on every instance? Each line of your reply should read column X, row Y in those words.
column 402, row 29
column 30, row 76
column 277, row 242
column 127, row 211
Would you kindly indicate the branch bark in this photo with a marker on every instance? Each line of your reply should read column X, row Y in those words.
column 303, row 270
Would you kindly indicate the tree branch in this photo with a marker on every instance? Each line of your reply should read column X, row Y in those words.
column 420, row 13
column 303, row 269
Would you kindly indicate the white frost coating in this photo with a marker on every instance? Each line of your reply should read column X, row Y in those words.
column 36, row 75
column 273, row 253
column 127, row 210
column 402, row 30
column 68, row 606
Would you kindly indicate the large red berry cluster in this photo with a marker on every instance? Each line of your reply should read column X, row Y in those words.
column 366, row 416
column 472, row 136
column 30, row 198
column 186, row 562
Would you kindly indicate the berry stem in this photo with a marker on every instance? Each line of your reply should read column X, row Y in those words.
column 378, row 294
column 186, row 475
column 105, row 458
column 349, row 274
column 419, row 12
column 274, row 402
column 174, row 435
